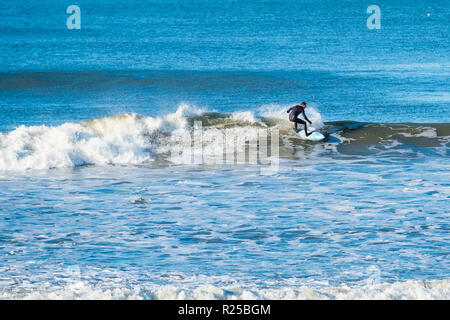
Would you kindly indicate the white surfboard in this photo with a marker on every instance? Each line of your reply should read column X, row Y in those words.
column 314, row 136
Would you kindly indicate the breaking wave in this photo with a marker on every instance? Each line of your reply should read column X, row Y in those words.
column 402, row 290
column 131, row 139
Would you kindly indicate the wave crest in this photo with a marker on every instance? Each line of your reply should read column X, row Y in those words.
column 402, row 290
column 130, row 139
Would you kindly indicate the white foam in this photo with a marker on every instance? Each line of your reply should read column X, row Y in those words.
column 122, row 139
column 426, row 132
column 115, row 140
column 80, row 289
column 245, row 116
column 130, row 139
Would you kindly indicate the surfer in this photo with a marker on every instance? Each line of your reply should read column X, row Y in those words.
column 295, row 111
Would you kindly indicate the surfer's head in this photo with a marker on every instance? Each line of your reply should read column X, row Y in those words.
column 303, row 104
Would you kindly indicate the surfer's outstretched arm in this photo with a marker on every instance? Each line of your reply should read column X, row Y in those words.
column 290, row 109
column 306, row 118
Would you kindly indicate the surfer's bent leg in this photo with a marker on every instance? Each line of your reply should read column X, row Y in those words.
column 306, row 131
column 301, row 122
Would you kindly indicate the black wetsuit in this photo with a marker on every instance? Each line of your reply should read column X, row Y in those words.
column 295, row 111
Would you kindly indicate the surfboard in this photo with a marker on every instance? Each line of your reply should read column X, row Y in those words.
column 314, row 136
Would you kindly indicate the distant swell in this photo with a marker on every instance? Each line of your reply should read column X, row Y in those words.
column 130, row 139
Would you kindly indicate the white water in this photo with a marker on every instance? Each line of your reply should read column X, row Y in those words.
column 107, row 290
column 126, row 139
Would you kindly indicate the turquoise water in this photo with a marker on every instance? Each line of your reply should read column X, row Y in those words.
column 93, row 206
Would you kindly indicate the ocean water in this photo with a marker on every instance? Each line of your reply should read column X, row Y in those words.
column 115, row 179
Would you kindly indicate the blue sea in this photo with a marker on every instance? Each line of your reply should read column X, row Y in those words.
column 107, row 191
